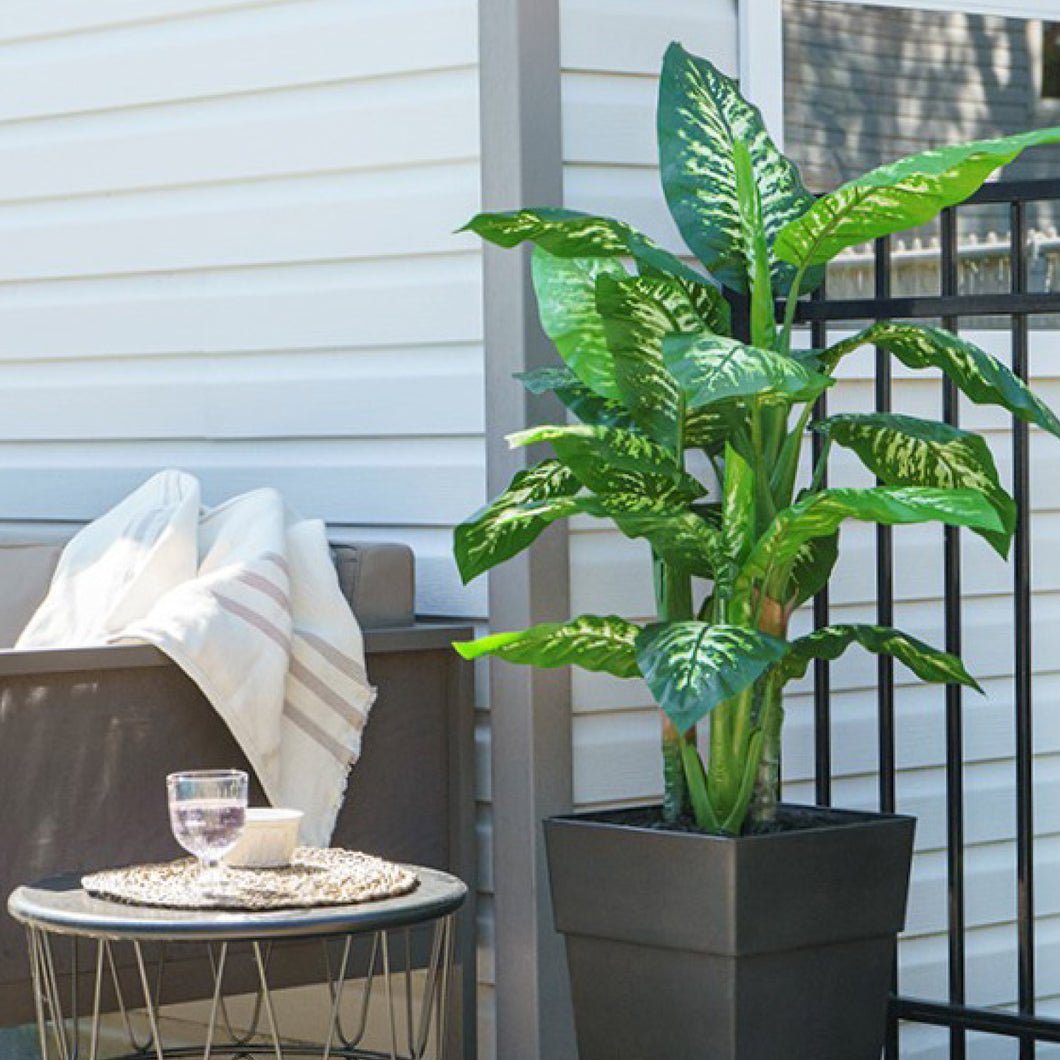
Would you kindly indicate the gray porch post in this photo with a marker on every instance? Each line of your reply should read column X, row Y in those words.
column 530, row 709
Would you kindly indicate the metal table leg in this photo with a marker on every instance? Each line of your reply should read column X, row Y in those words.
column 416, row 1028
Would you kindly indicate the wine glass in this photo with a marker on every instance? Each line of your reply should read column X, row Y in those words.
column 207, row 810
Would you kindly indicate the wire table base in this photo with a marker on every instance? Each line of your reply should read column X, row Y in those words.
column 416, row 1026
column 385, row 974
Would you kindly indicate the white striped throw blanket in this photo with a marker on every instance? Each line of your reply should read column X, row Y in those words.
column 245, row 599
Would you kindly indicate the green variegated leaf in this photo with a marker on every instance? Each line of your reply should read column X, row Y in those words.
column 737, row 526
column 820, row 514
column 571, row 234
column 691, row 667
column 566, row 301
column 829, row 642
column 611, row 460
column 711, row 427
column 982, row 377
column 677, row 535
column 503, row 528
column 592, row 642
column 547, row 380
column 737, row 512
column 701, row 116
column 710, row 512
column 637, row 312
column 905, row 451
column 812, row 359
column 565, row 233
column 898, row 196
column 711, row 368
column 705, row 297
column 811, row 569
column 586, row 404
column 763, row 322
column 709, row 304
column 702, row 122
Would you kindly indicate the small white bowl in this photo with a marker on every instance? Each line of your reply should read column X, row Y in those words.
column 268, row 840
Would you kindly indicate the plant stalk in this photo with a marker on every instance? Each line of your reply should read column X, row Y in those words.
column 766, row 795
column 773, row 620
column 822, row 466
column 763, row 495
column 675, row 787
column 673, row 591
column 790, row 309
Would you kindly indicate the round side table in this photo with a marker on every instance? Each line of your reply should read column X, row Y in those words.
column 367, row 954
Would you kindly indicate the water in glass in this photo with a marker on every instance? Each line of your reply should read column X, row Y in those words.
column 208, row 828
column 207, row 811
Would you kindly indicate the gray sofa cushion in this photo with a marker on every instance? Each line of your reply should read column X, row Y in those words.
column 379, row 580
column 377, row 577
column 25, row 574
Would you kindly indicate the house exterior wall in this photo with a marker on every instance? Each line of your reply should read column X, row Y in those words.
column 226, row 244
column 226, row 233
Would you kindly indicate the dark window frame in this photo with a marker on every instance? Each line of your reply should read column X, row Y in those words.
column 1049, row 62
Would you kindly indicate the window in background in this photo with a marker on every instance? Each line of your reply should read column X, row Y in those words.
column 1051, row 60
column 865, row 84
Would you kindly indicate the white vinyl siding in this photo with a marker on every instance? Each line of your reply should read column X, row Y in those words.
column 226, row 245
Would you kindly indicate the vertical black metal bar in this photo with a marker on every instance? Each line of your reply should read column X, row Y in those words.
column 954, row 703
column 1022, row 627
column 822, row 714
column 1032, row 1029
column 740, row 305
column 885, row 617
column 885, row 562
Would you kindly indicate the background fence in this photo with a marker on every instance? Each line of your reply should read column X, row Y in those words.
column 1008, row 284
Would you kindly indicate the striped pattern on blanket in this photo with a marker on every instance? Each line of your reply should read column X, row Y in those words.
column 245, row 599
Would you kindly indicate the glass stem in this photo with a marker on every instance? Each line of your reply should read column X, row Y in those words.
column 210, row 872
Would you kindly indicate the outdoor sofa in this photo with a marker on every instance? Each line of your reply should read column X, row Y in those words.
column 88, row 735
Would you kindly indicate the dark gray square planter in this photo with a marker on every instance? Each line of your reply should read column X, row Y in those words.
column 694, row 947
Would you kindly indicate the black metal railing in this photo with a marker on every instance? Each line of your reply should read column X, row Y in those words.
column 1014, row 308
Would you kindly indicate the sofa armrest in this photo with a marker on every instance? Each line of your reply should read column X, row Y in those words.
column 378, row 579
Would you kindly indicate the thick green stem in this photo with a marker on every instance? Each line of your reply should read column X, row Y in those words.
column 770, row 718
column 822, row 466
column 678, row 603
column 675, row 787
column 720, row 780
column 741, row 733
column 766, row 794
column 702, row 808
column 763, row 495
column 734, row 764
column 787, row 465
column 673, row 590
column 790, row 309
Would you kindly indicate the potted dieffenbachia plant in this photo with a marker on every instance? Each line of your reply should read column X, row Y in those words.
column 652, row 374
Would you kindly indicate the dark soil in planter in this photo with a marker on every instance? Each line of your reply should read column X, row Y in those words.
column 790, row 818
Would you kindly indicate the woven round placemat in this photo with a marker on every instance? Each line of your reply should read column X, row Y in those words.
column 315, row 877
